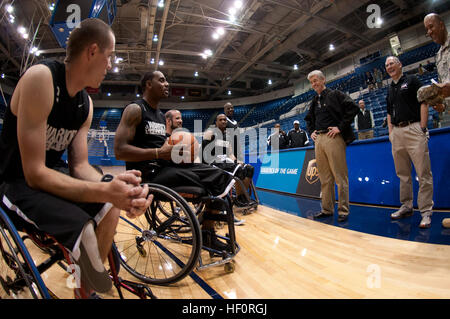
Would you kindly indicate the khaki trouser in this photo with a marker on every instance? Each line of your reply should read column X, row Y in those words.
column 365, row 135
column 332, row 167
column 410, row 144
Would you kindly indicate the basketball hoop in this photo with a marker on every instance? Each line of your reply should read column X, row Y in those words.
column 103, row 136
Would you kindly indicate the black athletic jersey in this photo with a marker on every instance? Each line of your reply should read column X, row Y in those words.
column 150, row 133
column 234, row 125
column 231, row 123
column 65, row 119
column 217, row 149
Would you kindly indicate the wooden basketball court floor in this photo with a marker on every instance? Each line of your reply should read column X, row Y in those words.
column 287, row 255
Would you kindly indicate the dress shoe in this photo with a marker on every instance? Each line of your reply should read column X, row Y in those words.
column 322, row 215
column 342, row 218
column 402, row 212
column 426, row 220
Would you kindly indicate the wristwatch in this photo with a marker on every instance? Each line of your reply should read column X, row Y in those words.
column 107, row 178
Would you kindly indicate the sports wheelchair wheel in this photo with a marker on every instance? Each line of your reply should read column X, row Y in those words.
column 163, row 245
column 19, row 277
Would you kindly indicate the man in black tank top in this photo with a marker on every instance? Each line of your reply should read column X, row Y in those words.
column 217, row 150
column 50, row 112
column 141, row 141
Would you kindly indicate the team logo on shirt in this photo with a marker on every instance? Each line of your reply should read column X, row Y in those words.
column 153, row 128
column 59, row 139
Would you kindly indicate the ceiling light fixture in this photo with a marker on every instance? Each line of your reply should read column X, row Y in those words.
column 269, row 82
column 155, row 38
column 332, row 47
column 161, row 62
column 21, row 30
column 295, row 67
column 161, row 4
column 33, row 50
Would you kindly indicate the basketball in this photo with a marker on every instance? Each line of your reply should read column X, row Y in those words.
column 185, row 138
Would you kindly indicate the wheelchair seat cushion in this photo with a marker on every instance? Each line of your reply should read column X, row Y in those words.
column 190, row 191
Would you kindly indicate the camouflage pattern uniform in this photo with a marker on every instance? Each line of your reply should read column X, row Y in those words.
column 443, row 65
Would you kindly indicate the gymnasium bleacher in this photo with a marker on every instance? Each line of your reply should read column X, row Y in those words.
column 282, row 110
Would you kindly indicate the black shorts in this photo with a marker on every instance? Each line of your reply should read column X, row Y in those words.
column 55, row 216
column 214, row 180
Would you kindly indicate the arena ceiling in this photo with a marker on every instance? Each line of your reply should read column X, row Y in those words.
column 261, row 40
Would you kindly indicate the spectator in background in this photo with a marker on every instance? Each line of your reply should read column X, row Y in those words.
column 378, row 77
column 370, row 81
column 407, row 122
column 278, row 138
column 364, row 122
column 430, row 66
column 420, row 69
column 297, row 137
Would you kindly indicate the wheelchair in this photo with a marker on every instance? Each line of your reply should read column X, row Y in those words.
column 166, row 244
column 163, row 245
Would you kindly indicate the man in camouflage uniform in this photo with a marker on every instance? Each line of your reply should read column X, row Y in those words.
column 436, row 29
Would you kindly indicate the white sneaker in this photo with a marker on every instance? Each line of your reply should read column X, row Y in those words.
column 239, row 222
column 426, row 220
column 402, row 212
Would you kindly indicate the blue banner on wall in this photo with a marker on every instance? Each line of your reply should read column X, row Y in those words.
column 371, row 171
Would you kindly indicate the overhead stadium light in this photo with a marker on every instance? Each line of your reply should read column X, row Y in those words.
column 238, row 4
